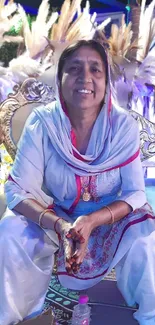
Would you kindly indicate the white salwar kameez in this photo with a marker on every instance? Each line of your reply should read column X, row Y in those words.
column 27, row 251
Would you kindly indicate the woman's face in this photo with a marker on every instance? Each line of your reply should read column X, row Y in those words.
column 84, row 80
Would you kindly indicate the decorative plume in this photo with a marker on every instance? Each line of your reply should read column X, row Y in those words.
column 7, row 21
column 102, row 26
column 146, row 30
column 69, row 30
column 120, row 43
column 145, row 73
column 120, row 46
column 35, row 37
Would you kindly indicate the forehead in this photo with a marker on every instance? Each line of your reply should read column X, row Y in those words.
column 85, row 54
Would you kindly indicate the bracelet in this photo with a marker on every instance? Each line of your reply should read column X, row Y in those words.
column 112, row 215
column 55, row 227
column 42, row 215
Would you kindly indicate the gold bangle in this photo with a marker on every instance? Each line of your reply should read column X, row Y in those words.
column 112, row 215
column 42, row 215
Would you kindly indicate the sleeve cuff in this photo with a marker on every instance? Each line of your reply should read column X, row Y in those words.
column 11, row 204
column 135, row 199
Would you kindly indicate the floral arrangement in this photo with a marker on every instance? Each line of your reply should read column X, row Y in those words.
column 5, row 166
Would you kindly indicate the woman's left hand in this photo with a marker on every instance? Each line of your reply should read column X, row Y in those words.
column 84, row 227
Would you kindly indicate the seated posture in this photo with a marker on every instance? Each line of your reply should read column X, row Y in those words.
column 77, row 188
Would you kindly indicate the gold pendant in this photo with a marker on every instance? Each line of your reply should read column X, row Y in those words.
column 86, row 195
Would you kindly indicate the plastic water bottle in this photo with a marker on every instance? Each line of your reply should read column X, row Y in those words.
column 81, row 312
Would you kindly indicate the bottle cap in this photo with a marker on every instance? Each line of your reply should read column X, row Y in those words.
column 83, row 300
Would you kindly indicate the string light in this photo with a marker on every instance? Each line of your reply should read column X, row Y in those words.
column 128, row 8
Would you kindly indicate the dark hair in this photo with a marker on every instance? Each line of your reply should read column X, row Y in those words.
column 71, row 49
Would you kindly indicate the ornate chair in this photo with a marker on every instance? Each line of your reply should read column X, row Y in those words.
column 17, row 107
column 147, row 137
column 13, row 114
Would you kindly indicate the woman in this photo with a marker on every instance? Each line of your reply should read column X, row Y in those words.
column 83, row 153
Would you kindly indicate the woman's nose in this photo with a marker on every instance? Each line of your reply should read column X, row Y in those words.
column 86, row 76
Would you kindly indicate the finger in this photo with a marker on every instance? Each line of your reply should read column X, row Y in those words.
column 70, row 260
column 69, row 270
column 82, row 240
column 75, row 235
column 79, row 253
column 80, row 258
column 68, row 267
column 68, row 235
column 76, row 254
column 68, row 249
column 76, row 268
column 78, row 238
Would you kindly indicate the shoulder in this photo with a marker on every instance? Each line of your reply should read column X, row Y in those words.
column 121, row 118
column 40, row 113
column 46, row 110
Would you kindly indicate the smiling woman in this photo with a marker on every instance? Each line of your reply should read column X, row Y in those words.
column 84, row 153
column 83, row 76
column 83, row 79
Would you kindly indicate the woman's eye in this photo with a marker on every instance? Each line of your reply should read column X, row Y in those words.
column 74, row 69
column 95, row 70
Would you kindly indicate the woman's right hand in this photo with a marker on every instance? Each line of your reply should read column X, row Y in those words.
column 62, row 228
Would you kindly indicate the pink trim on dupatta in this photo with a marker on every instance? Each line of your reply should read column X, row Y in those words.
column 128, row 161
column 78, row 180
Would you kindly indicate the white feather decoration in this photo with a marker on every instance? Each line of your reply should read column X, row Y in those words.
column 21, row 71
column 7, row 21
column 145, row 73
column 7, row 10
column 146, row 30
column 120, row 93
column 104, row 24
column 35, row 38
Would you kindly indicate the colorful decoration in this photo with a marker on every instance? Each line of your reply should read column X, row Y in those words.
column 5, row 166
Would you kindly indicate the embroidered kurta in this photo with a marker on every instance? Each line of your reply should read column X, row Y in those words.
column 40, row 173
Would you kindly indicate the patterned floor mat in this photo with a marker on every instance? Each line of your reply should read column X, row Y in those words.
column 63, row 300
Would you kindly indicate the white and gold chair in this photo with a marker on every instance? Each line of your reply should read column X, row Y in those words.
column 14, row 112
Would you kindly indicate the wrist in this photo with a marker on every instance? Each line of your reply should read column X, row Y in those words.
column 104, row 216
column 97, row 219
column 58, row 225
column 47, row 219
column 42, row 217
column 92, row 221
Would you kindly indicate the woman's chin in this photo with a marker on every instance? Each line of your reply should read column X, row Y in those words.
column 84, row 104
